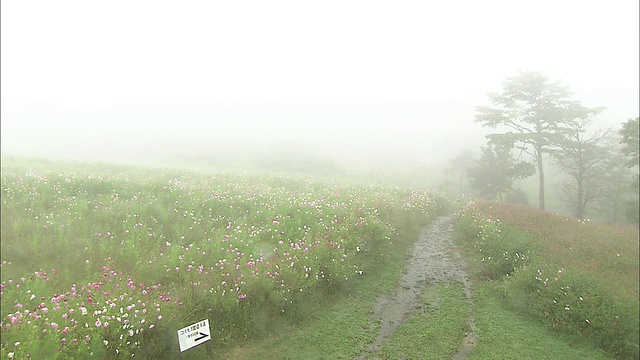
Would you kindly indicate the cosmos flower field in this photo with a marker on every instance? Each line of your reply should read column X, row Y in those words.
column 572, row 275
column 108, row 261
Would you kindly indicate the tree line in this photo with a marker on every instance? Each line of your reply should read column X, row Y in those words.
column 535, row 123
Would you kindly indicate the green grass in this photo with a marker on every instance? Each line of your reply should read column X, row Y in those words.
column 506, row 334
column 111, row 261
column 289, row 267
column 338, row 328
column 336, row 331
column 574, row 277
column 436, row 328
column 344, row 329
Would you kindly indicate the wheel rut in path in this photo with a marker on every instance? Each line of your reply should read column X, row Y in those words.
column 432, row 261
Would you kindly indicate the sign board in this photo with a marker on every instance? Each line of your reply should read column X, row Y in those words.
column 194, row 335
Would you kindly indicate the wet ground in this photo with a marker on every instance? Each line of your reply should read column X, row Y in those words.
column 433, row 260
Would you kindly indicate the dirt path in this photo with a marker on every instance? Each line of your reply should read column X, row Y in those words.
column 433, row 260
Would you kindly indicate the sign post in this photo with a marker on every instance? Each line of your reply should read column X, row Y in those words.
column 194, row 335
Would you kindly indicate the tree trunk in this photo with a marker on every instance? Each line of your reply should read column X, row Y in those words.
column 540, row 177
column 580, row 201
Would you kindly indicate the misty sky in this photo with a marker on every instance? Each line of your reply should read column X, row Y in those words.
column 393, row 81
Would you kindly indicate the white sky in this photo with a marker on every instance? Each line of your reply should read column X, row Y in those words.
column 75, row 73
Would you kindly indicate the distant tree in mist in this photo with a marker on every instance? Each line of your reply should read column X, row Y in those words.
column 459, row 167
column 518, row 196
column 496, row 170
column 615, row 179
column 630, row 140
column 536, row 114
column 630, row 134
column 585, row 158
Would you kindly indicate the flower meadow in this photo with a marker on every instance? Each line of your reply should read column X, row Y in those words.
column 110, row 261
column 574, row 276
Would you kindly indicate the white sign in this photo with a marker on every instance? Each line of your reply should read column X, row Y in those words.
column 194, row 335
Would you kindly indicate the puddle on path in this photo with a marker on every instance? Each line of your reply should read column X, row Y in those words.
column 432, row 261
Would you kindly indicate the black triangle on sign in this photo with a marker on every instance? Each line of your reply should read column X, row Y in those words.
column 202, row 336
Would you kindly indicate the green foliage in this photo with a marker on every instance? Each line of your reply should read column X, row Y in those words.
column 575, row 303
column 437, row 328
column 499, row 249
column 575, row 277
column 334, row 327
column 584, row 157
column 629, row 141
column 517, row 196
column 508, row 334
column 535, row 112
column 630, row 138
column 459, row 167
column 496, row 171
column 131, row 255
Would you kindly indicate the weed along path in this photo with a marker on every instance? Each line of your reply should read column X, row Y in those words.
column 433, row 264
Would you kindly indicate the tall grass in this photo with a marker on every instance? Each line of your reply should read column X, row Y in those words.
column 109, row 261
column 574, row 276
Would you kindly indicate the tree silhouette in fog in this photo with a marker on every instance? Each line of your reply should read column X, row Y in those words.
column 535, row 114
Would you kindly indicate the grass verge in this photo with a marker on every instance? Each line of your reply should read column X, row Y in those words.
column 108, row 262
column 343, row 328
column 576, row 278
column 506, row 334
column 435, row 330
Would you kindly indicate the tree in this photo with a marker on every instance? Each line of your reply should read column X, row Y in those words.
column 496, row 170
column 630, row 140
column 535, row 112
column 584, row 158
column 460, row 165
column 614, row 177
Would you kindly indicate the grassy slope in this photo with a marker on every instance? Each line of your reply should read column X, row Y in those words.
column 603, row 251
column 591, row 269
column 96, row 209
column 505, row 334
column 342, row 328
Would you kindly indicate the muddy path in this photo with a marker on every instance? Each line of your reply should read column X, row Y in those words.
column 433, row 260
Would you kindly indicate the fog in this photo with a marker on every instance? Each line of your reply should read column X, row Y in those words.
column 349, row 134
column 384, row 86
